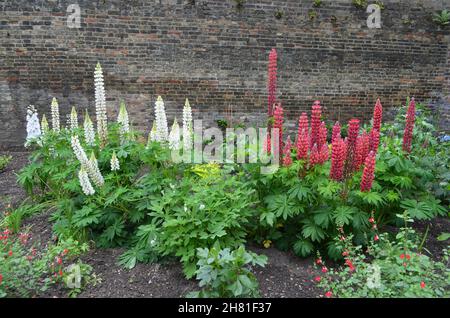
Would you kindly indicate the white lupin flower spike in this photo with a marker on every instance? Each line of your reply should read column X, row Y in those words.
column 33, row 126
column 187, row 126
column 115, row 166
column 162, row 130
column 55, row 115
column 174, row 136
column 86, row 185
column 123, row 120
column 73, row 119
column 100, row 105
column 44, row 125
column 96, row 174
column 89, row 132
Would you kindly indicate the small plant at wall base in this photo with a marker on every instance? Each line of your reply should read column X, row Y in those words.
column 317, row 3
column 312, row 15
column 4, row 161
column 279, row 14
column 360, row 4
column 442, row 18
column 239, row 4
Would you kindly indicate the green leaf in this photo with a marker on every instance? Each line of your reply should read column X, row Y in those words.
column 443, row 237
column 343, row 214
column 312, row 231
column 303, row 248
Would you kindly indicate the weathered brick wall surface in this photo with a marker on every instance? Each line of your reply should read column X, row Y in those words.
column 216, row 55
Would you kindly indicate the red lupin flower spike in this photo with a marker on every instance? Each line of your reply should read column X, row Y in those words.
column 302, row 145
column 336, row 132
column 409, row 127
column 303, row 124
column 272, row 82
column 337, row 159
column 369, row 173
column 314, row 157
column 377, row 115
column 287, row 159
column 278, row 124
column 316, row 114
column 323, row 132
column 374, row 140
column 353, row 132
column 268, row 145
column 324, row 153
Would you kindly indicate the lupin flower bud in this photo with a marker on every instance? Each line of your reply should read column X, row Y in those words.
column 174, row 136
column 55, row 115
column 73, row 119
column 303, row 145
column 187, row 126
column 369, row 172
column 44, row 125
column 100, row 105
column 86, row 185
column 123, row 121
column 89, row 133
column 409, row 127
column 377, row 115
column 272, row 82
column 316, row 114
column 162, row 130
column 115, row 166
column 33, row 126
column 287, row 158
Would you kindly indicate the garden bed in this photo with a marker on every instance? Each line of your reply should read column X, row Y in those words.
column 285, row 274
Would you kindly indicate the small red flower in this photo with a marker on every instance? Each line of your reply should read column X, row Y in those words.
column 376, row 238
column 324, row 269
column 66, row 251
column 319, row 261
column 1, row 278
column 328, row 294
column 402, row 256
column 59, row 260
column 404, row 264
column 10, row 253
column 345, row 253
column 371, row 220
column 60, row 272
column 317, row 278
column 408, row 257
column 422, row 284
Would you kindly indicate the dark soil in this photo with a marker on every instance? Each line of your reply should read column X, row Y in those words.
column 10, row 192
column 285, row 275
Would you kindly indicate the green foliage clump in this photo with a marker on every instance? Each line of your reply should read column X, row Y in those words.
column 226, row 273
column 4, row 161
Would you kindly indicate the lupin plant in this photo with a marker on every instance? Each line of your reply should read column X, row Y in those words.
column 162, row 129
column 55, row 115
column 100, row 106
column 287, row 153
column 278, row 124
column 89, row 132
column 96, row 174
